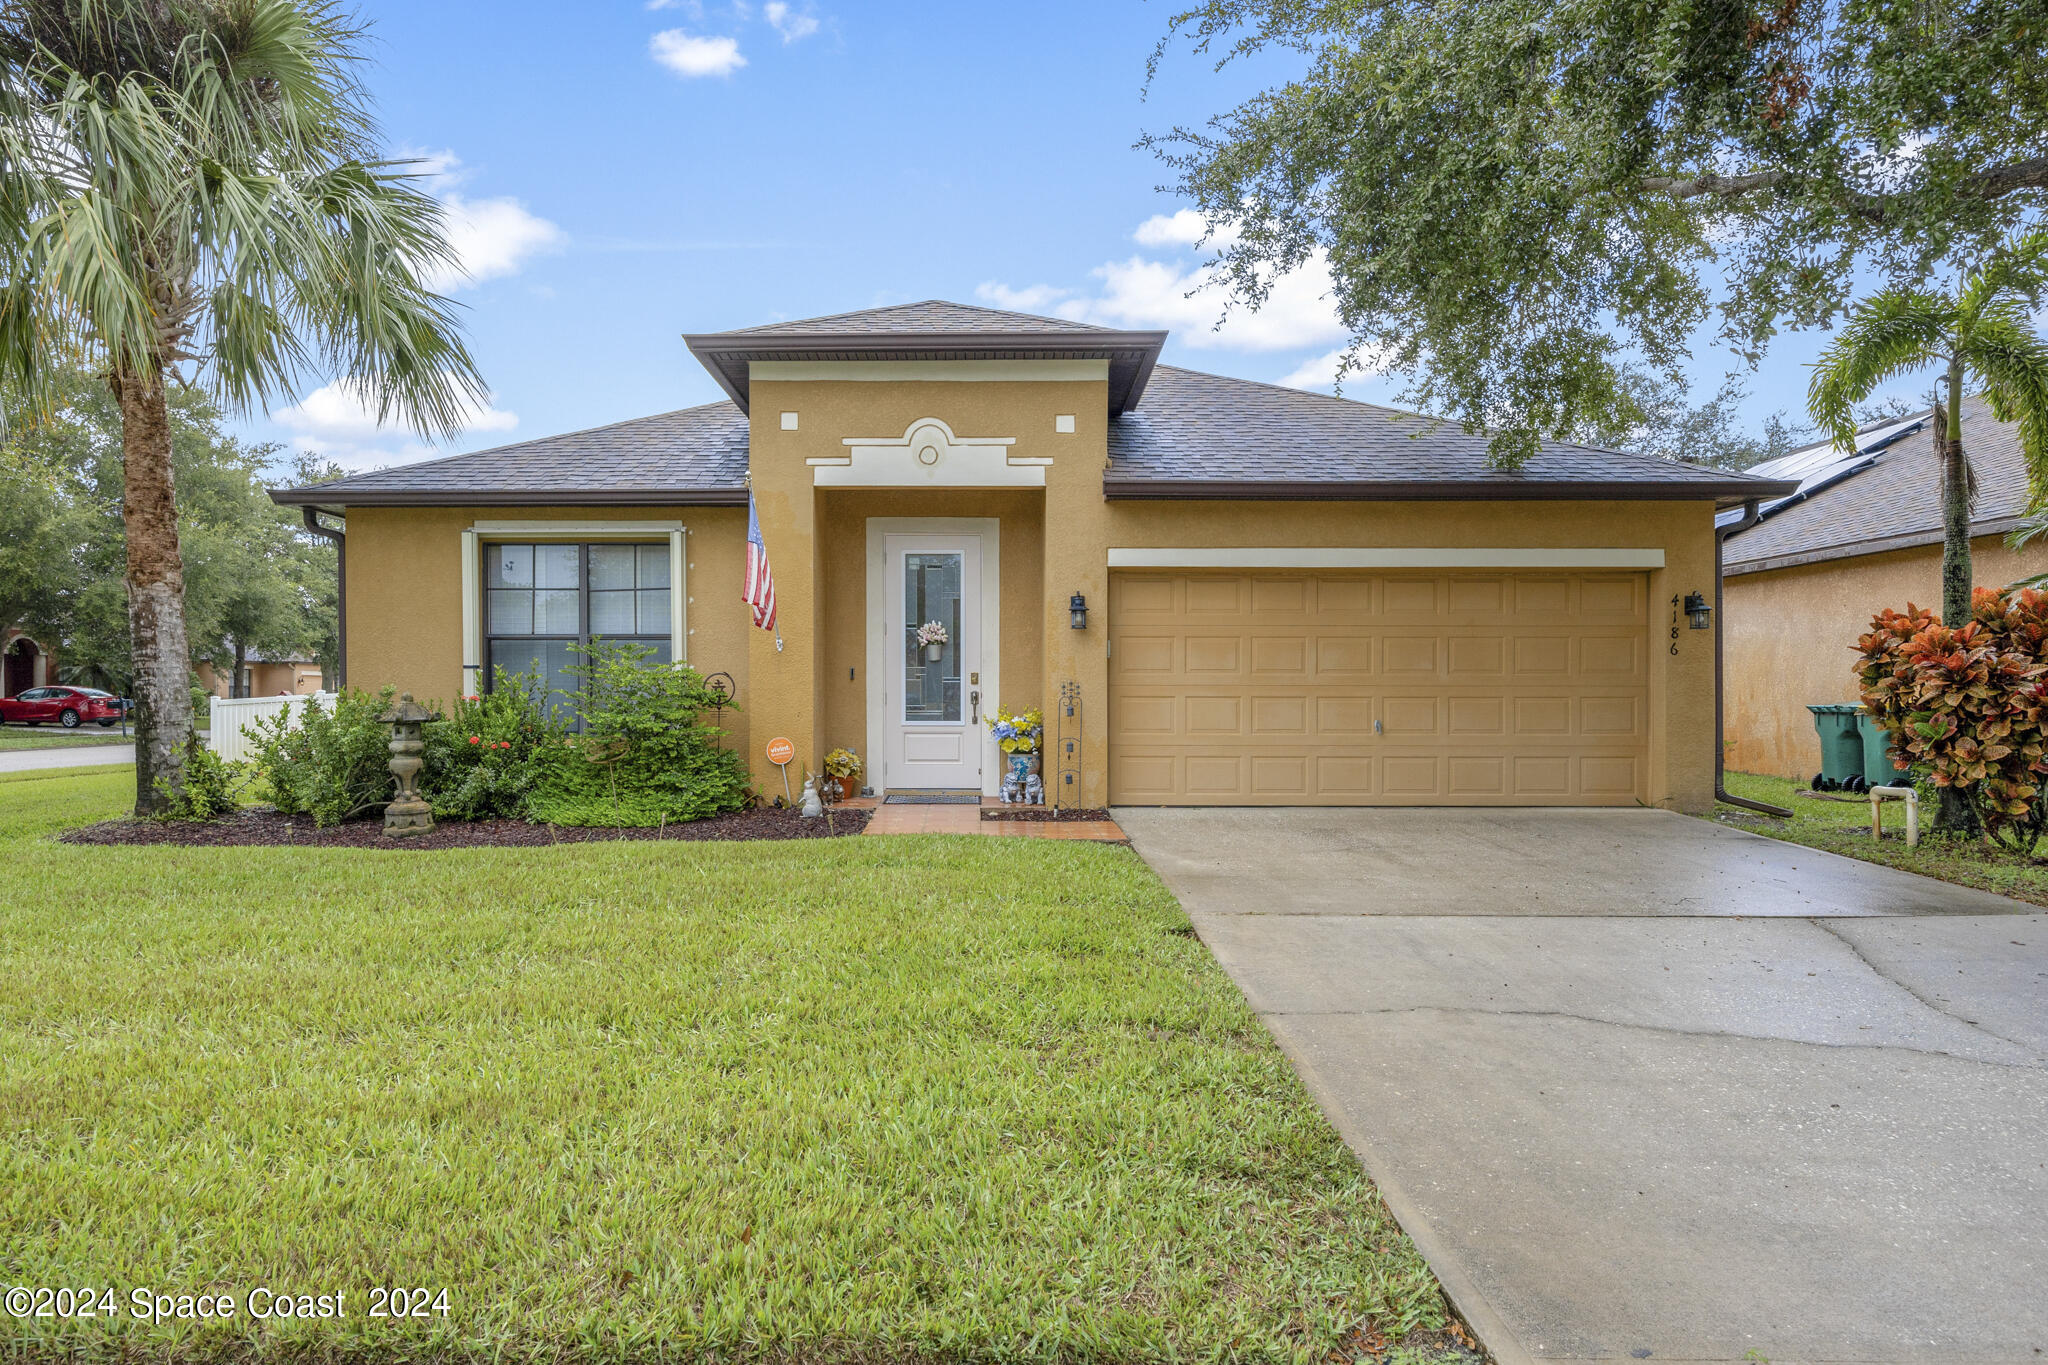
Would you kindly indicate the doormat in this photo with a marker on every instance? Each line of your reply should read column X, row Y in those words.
column 932, row 799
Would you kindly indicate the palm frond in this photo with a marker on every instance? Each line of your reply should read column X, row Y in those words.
column 201, row 183
column 1889, row 334
column 2011, row 359
column 2019, row 268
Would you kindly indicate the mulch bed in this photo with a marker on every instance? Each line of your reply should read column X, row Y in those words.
column 264, row 826
column 1041, row 813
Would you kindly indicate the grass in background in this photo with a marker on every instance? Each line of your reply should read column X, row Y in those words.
column 866, row 1100
column 1844, row 827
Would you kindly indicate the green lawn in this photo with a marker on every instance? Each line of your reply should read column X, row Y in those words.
column 57, row 737
column 1844, row 827
column 867, row 1100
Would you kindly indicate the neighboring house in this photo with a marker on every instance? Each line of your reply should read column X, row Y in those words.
column 24, row 663
column 1257, row 595
column 1862, row 533
column 263, row 675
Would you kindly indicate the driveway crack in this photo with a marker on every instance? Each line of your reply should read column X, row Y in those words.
column 2035, row 1063
column 1891, row 980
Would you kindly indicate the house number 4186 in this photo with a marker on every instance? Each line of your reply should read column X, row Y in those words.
column 1676, row 600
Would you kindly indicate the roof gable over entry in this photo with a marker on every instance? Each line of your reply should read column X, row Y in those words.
column 932, row 330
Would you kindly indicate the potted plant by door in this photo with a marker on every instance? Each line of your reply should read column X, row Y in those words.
column 1020, row 735
column 932, row 637
column 843, row 767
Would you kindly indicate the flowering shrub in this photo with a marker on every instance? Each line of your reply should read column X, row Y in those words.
column 1970, row 703
column 932, row 633
column 484, row 761
column 1017, row 732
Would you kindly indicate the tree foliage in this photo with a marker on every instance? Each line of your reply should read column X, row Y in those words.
column 1519, row 198
column 253, row 576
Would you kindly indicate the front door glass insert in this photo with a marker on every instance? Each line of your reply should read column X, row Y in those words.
column 931, row 676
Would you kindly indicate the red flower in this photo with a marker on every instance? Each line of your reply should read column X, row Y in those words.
column 476, row 739
column 504, row 744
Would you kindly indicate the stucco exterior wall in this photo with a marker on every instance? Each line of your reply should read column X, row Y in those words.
column 404, row 567
column 802, row 691
column 1791, row 633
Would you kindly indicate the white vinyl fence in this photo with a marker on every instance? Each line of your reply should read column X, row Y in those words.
column 224, row 729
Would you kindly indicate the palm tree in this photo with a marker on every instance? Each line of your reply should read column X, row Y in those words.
column 191, row 192
column 1982, row 336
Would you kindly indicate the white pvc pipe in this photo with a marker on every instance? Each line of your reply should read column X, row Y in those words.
column 1911, row 797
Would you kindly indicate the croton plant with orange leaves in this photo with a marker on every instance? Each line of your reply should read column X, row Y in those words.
column 1969, row 703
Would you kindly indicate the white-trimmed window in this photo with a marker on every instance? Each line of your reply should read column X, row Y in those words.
column 535, row 593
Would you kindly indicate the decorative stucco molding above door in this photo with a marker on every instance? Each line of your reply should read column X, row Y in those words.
column 929, row 455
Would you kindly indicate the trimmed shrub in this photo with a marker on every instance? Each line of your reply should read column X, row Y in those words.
column 1971, row 704
column 485, row 760
column 211, row 785
column 643, row 758
column 333, row 765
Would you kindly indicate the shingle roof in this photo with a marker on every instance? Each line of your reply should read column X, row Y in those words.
column 931, row 317
column 693, row 455
column 1198, row 435
column 1206, row 435
column 1892, row 501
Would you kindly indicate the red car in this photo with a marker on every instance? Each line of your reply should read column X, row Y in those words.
column 70, row 707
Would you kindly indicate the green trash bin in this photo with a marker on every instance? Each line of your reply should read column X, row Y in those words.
column 1877, row 754
column 1841, row 747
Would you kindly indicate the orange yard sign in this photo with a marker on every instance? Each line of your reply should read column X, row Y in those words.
column 780, row 751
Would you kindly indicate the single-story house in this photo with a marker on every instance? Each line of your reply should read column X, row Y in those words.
column 1223, row 592
column 263, row 675
column 1863, row 532
column 24, row 662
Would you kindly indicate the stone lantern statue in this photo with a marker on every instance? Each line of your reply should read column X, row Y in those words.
column 407, row 814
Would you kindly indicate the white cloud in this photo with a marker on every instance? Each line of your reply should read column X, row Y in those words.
column 1186, row 296
column 689, row 55
column 1183, row 227
column 491, row 237
column 790, row 25
column 335, row 421
column 1317, row 372
column 693, row 8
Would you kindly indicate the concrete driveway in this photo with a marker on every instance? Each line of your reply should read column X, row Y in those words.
column 1642, row 1086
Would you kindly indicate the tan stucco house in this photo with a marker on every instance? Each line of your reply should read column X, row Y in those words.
column 1863, row 532
column 1256, row 595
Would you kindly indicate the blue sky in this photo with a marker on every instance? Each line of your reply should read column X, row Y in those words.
column 618, row 173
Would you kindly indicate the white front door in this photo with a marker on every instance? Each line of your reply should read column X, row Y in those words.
column 932, row 736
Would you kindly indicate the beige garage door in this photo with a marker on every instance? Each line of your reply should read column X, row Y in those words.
column 1378, row 688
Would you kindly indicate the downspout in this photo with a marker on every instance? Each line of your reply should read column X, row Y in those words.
column 1749, row 518
column 312, row 517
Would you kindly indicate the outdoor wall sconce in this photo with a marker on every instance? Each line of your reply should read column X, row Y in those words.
column 1696, row 610
column 1077, row 611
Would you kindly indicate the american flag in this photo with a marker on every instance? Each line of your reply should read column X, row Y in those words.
column 760, row 594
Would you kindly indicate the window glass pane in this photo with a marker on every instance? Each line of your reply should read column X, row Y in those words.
column 654, row 612
column 509, row 566
column 660, row 648
column 611, row 566
column 653, row 565
column 549, row 659
column 611, row 613
column 931, row 674
column 557, row 612
column 557, row 566
column 511, row 612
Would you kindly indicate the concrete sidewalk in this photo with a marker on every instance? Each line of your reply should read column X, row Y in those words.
column 1620, row 1129
column 79, row 756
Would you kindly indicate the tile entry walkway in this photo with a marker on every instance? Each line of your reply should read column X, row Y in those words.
column 900, row 819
